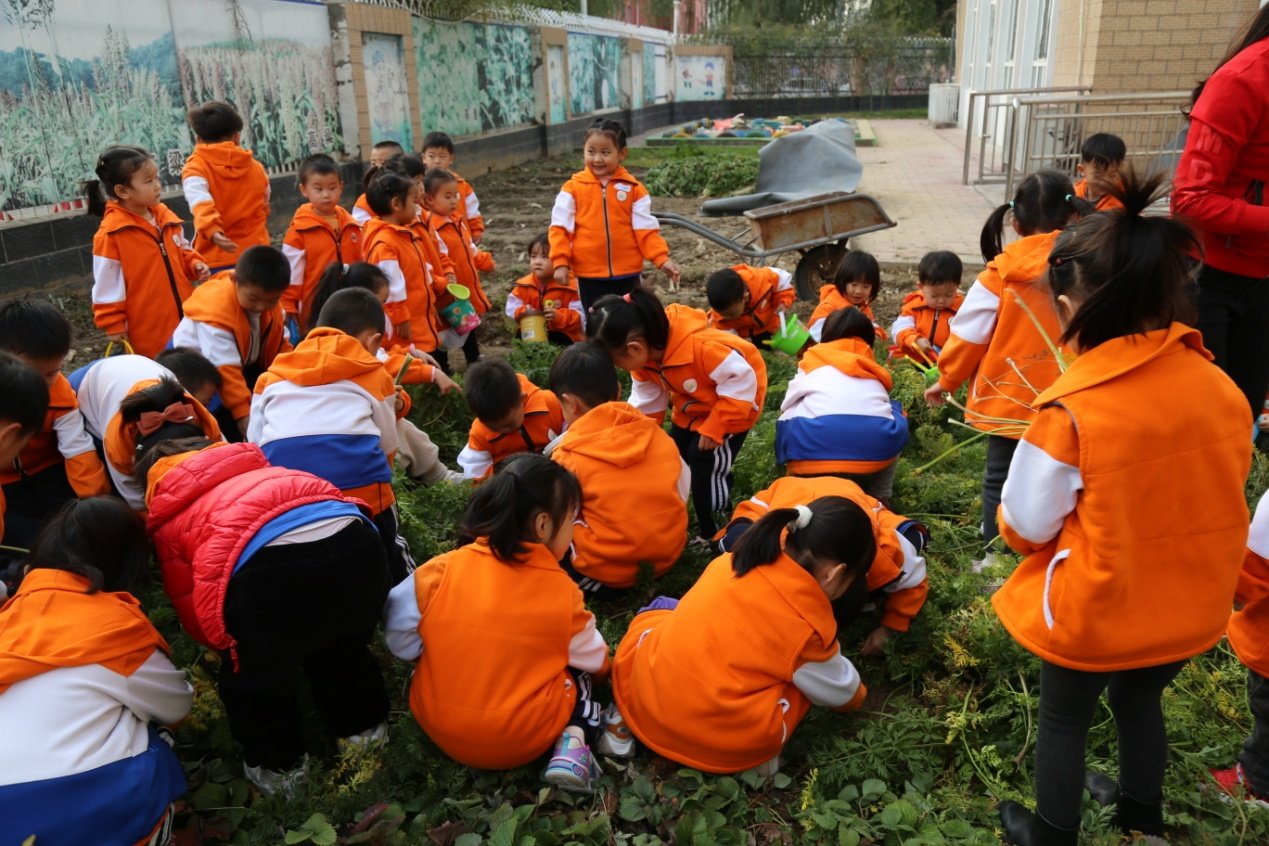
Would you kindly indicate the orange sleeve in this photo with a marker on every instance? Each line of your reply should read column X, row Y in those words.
column 207, row 220
column 87, row 475
column 567, row 320
column 291, row 296
column 739, row 387
column 419, row 372
column 484, row 261
column 563, row 227
column 1253, row 581
column 234, row 391
column 960, row 357
column 555, row 415
column 404, row 396
column 647, row 231
column 110, row 310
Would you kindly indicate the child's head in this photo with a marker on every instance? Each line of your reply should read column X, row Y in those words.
column 127, row 175
column 832, row 539
column 321, row 183
column 159, row 412
column 440, row 192
column 261, row 276
column 1101, row 156
column 384, row 150
column 215, row 121
column 582, row 377
column 36, row 332
column 939, row 278
column 494, row 395
column 848, row 322
column 633, row 328
column 1045, row 201
column 438, row 150
column 359, row 274
column 355, row 312
column 530, row 499
column 540, row 257
column 99, row 538
column 727, row 293
column 604, row 147
column 198, row 376
column 391, row 196
column 858, row 277
column 1120, row 274
column 23, row 404
column 412, row 168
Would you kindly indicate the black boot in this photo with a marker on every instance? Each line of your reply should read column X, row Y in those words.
column 1024, row 828
column 1133, row 815
column 1103, row 788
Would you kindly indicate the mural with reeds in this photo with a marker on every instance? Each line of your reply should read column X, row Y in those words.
column 474, row 78
column 594, row 73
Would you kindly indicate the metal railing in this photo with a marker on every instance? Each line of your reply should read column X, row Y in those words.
column 991, row 127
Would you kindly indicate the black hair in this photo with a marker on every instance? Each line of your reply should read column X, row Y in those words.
column 1103, row 149
column 1044, row 202
column 1257, row 30
column 115, row 167
column 264, row 267
column 352, row 311
column 99, row 538
column 389, row 145
column 318, row 164
column 190, row 367
column 724, row 288
column 438, row 139
column 158, row 397
column 585, row 371
column 940, row 266
column 839, row 530
column 23, row 394
column 407, row 165
column 172, row 446
column 1128, row 271
column 492, row 389
column 503, row 508
column 603, row 126
column 614, row 320
column 34, row 328
column 542, row 239
column 386, row 187
column 856, row 266
column 338, row 277
column 848, row 322
column 435, row 179
column 215, row 121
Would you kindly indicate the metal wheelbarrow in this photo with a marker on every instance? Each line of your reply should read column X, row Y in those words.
column 818, row 227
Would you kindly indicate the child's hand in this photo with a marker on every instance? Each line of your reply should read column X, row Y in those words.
column 672, row 270
column 243, row 423
column 549, row 314
column 402, row 330
column 561, row 275
column 202, row 271
column 453, row 278
column 708, row 444
column 400, row 406
column 935, row 395
column 875, row 643
column 924, row 345
column 443, row 383
column 220, row 239
column 477, row 237
column 424, row 357
column 117, row 337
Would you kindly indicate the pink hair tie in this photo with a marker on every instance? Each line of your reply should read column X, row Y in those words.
column 151, row 421
column 626, row 297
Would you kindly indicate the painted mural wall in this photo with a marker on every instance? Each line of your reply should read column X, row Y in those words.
column 594, row 73
column 384, row 58
column 557, row 84
column 474, row 78
column 700, row 78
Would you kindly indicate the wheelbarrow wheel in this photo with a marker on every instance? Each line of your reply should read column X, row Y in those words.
column 817, row 268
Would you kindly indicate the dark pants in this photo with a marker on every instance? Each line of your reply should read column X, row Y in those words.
column 400, row 562
column 251, row 373
column 559, row 339
column 1234, row 320
column 1068, row 700
column 471, row 346
column 591, row 289
column 31, row 501
column 589, row 586
column 1255, row 757
column 711, row 475
column 311, row 606
column 1000, row 452
column 588, row 715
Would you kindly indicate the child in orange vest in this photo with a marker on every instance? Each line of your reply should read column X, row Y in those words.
column 506, row 649
column 758, row 628
column 857, row 283
column 714, row 382
column 539, row 291
column 926, row 314
column 602, row 228
column 749, row 300
column 438, row 151
column 1101, row 156
column 622, row 527
column 143, row 267
column 1114, row 536
column 512, row 415
column 23, row 404
column 382, row 153
column 321, row 233
column 226, row 188
column 440, row 201
column 994, row 339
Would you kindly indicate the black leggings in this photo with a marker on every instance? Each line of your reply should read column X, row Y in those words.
column 711, row 474
column 1068, row 699
column 1234, row 320
column 1000, row 452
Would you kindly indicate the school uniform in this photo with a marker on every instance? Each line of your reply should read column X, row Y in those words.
column 568, row 326
column 311, row 245
column 469, row 207
column 917, row 319
column 832, row 300
column 505, row 652
column 227, row 191
column 82, row 677
column 143, row 272
column 401, row 253
column 543, row 422
column 770, row 289
column 623, row 526
column 361, row 211
column 1249, row 638
column 468, row 262
column 1106, row 202
column 722, row 681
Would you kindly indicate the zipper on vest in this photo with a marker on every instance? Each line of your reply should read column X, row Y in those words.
column 603, row 192
column 934, row 329
column 171, row 277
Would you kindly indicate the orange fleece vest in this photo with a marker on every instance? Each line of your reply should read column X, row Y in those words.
column 468, row 262
column 407, row 248
column 538, row 297
column 322, row 246
column 607, row 238
column 239, row 204
column 1249, row 626
column 760, row 315
column 543, row 421
column 475, row 222
column 832, row 300
column 85, row 472
column 933, row 324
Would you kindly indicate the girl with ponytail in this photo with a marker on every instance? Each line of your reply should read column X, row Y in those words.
column 505, row 646
column 719, row 680
column 1126, row 497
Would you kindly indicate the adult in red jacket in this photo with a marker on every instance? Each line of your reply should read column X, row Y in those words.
column 1219, row 188
column 278, row 571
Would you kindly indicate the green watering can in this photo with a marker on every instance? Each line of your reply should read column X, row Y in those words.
column 791, row 337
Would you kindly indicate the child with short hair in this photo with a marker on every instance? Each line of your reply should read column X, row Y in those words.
column 85, row 681
column 23, row 404
column 321, row 233
column 539, row 291
column 857, row 282
column 506, row 649
column 144, row 269
column 1097, row 571
column 60, row 461
column 384, row 150
column 198, row 376
column 837, row 417
column 1101, row 156
column 512, row 415
column 924, row 319
column 757, row 625
column 440, row 206
column 749, row 300
column 226, row 188
column 714, row 382
column 622, row 527
column 438, row 151
column 237, row 322
column 602, row 228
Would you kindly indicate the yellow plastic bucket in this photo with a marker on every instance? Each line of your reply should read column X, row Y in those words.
column 533, row 327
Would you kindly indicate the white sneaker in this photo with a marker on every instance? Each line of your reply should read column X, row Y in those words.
column 616, row 740
column 271, row 782
column 362, row 741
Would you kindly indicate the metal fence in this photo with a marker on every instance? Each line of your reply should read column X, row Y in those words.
column 909, row 68
column 991, row 124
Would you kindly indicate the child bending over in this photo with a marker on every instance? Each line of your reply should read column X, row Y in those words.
column 512, row 415
column 23, row 404
column 749, row 300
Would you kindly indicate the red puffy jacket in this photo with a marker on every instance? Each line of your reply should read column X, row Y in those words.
column 205, row 507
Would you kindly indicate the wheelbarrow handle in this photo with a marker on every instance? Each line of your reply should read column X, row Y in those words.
column 710, row 235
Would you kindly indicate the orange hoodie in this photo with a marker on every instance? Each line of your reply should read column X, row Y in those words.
column 918, row 320
column 621, row 525
column 61, row 439
column 469, row 207
column 723, row 680
column 1249, row 626
column 543, row 421
column 832, row 300
column 770, row 290
column 1106, row 202
column 141, row 278
column 311, row 245
column 714, row 381
column 468, row 261
column 605, row 230
column 529, row 294
column 995, row 341
column 228, row 192
column 401, row 253
column 1115, row 534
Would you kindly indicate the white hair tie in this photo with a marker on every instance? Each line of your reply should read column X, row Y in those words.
column 804, row 517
